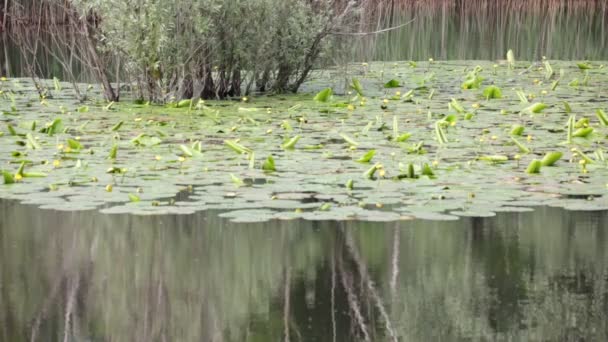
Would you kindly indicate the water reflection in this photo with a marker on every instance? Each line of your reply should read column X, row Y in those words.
column 91, row 277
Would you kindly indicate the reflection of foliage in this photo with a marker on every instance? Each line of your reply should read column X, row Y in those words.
column 144, row 277
column 147, row 278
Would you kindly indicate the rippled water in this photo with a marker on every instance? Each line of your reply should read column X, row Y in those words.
column 539, row 275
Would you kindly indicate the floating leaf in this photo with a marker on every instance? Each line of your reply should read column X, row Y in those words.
column 324, row 95
column 83, row 109
column 392, row 84
column 366, row 158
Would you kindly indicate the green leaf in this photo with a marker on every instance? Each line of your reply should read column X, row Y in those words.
column 31, row 142
column 582, row 132
column 536, row 108
column 83, row 109
column 570, row 125
column 268, row 165
column 584, row 65
column 366, row 158
column 184, row 103
column 291, row 143
column 440, row 134
column 356, row 86
column 117, row 126
column 403, row 137
column 517, row 130
column 369, row 174
column 146, row 140
column 55, row 127
column 113, row 152
column 74, row 144
column 238, row 148
column 522, row 97
column 350, row 184
column 522, row 147
column 392, row 84
column 534, row 166
column 551, row 158
column 427, row 171
column 8, row 177
column 492, row 92
column 349, row 140
column 324, row 95
column 134, row 198
column 456, row 106
column 602, row 117
column 511, row 59
column 494, row 159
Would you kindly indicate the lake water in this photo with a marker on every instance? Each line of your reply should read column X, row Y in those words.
column 539, row 275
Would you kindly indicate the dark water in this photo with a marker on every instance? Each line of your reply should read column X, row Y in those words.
column 69, row 276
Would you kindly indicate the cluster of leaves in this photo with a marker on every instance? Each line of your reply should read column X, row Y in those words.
column 213, row 48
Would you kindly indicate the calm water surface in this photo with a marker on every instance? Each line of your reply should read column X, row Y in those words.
column 83, row 276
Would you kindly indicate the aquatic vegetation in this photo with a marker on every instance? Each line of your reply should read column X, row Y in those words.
column 458, row 152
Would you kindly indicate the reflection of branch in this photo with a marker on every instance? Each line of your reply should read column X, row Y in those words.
column 395, row 260
column 365, row 277
column 286, row 304
column 69, row 305
column 333, row 297
column 352, row 300
column 371, row 33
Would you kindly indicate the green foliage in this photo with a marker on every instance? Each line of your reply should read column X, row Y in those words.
column 492, row 92
column 210, row 48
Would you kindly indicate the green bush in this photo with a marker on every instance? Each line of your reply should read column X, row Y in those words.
column 213, row 48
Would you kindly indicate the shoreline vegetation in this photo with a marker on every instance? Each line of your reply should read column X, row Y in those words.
column 220, row 49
